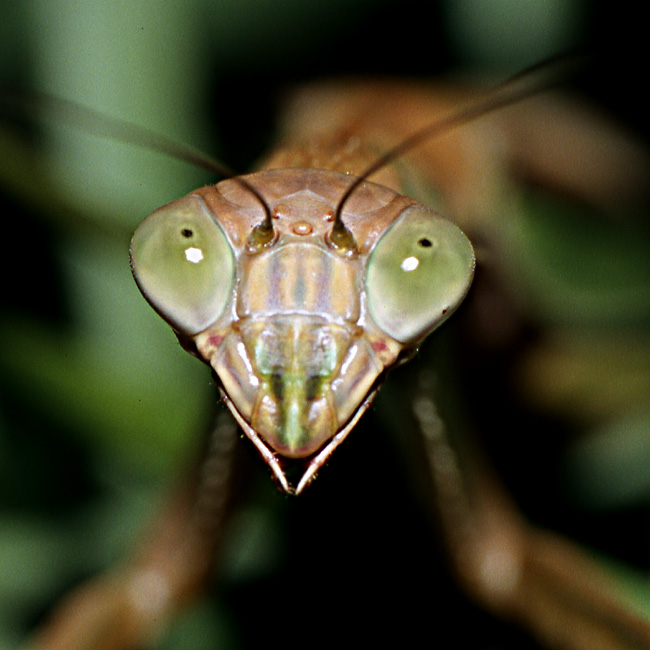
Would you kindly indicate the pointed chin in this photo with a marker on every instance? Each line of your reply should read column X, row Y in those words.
column 296, row 382
column 295, row 428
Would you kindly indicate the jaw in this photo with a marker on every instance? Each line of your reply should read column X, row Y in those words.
column 311, row 464
column 296, row 385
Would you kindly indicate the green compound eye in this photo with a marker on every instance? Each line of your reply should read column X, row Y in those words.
column 183, row 264
column 417, row 274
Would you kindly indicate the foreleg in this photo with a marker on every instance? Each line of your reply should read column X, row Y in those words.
column 128, row 607
column 535, row 577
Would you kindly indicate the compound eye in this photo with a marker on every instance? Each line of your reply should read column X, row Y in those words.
column 183, row 264
column 417, row 274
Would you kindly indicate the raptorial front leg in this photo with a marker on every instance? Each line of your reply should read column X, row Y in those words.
column 535, row 577
column 128, row 607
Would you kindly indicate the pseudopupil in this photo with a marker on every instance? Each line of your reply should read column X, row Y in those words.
column 187, row 232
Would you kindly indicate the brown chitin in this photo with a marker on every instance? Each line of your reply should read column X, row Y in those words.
column 296, row 353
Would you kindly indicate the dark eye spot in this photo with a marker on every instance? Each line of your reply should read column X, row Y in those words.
column 425, row 243
column 187, row 233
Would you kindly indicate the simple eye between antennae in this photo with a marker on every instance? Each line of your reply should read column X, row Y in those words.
column 525, row 84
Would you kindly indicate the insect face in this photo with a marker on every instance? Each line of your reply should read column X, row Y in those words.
column 299, row 332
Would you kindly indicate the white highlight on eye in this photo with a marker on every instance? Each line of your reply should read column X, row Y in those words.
column 410, row 263
column 194, row 255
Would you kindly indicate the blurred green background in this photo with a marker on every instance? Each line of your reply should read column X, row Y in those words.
column 100, row 408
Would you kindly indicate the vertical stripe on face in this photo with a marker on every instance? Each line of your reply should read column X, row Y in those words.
column 296, row 359
column 299, row 278
column 296, row 379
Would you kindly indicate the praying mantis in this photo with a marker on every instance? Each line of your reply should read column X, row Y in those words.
column 425, row 417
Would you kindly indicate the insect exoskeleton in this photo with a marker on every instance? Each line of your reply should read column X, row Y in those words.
column 298, row 330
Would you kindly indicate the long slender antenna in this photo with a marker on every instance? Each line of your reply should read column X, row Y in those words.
column 523, row 85
column 87, row 120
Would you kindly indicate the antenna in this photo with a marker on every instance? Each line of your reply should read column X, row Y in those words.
column 525, row 84
column 87, row 120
